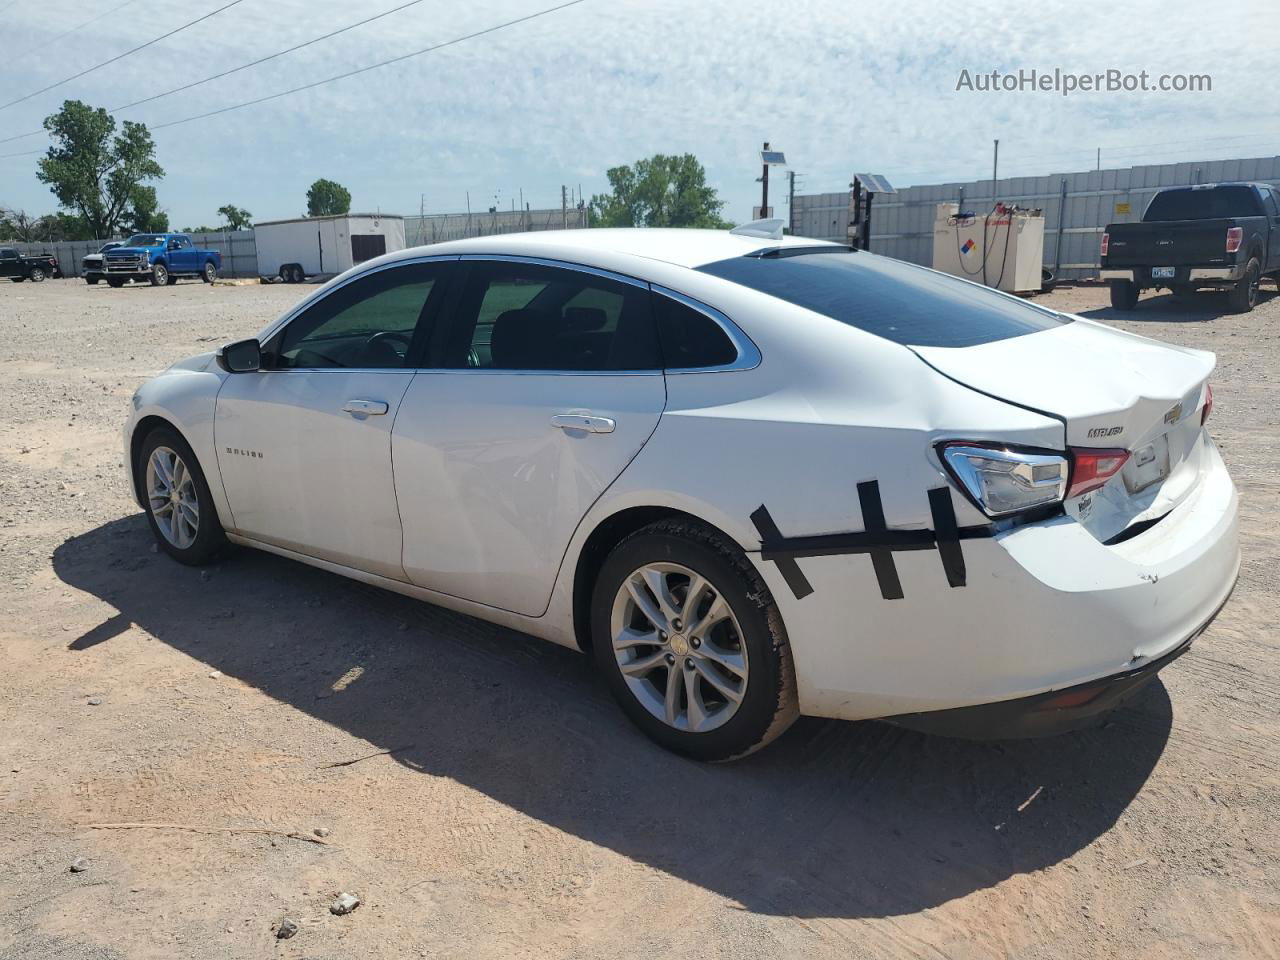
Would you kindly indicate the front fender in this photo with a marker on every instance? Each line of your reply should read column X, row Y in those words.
column 185, row 397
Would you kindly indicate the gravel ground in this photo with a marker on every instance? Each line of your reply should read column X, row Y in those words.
column 482, row 796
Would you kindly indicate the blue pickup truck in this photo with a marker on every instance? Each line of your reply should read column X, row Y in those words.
column 160, row 258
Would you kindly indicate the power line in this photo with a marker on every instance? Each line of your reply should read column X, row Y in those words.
column 78, row 26
column 372, row 66
column 272, row 56
column 121, row 56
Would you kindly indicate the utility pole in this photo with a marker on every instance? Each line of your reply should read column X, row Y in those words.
column 995, row 166
column 564, row 207
column 791, row 201
column 1099, row 166
column 764, row 187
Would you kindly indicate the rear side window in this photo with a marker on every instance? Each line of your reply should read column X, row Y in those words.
column 523, row 316
column 889, row 298
column 1214, row 203
column 690, row 339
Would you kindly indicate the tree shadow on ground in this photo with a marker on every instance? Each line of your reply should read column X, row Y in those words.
column 834, row 819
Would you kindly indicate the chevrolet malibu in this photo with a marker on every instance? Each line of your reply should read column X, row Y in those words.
column 753, row 476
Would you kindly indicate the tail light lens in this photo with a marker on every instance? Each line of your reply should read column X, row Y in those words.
column 1106, row 242
column 1208, row 404
column 1006, row 480
column 1235, row 236
column 1091, row 468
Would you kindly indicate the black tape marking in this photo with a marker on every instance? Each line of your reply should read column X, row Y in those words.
column 948, row 535
column 877, row 540
column 787, row 566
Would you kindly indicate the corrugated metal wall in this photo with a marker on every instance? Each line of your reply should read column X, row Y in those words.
column 438, row 227
column 902, row 223
column 239, row 252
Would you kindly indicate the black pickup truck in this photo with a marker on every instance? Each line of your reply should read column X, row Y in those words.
column 1220, row 235
column 35, row 268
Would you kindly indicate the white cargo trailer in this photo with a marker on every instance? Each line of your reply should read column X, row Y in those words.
column 323, row 246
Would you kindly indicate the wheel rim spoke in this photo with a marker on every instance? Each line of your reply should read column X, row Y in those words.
column 693, row 695
column 642, row 666
column 732, row 661
column 671, row 703
column 718, row 611
column 645, row 603
column 656, row 581
column 712, row 676
column 630, row 638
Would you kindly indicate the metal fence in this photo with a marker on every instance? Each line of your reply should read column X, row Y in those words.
column 1077, row 206
column 438, row 227
column 238, row 249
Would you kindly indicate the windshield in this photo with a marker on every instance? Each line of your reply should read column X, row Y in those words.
column 1190, row 203
column 899, row 301
column 145, row 240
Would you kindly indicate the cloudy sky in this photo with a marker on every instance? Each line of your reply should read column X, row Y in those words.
column 840, row 86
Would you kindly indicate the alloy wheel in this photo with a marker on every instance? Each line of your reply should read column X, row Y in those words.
column 679, row 647
column 171, row 497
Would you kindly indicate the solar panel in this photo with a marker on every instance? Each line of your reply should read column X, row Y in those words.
column 875, row 183
column 773, row 158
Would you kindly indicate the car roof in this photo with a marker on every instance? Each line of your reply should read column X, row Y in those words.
column 682, row 247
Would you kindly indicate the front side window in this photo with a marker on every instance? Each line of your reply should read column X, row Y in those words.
column 898, row 301
column 370, row 323
column 521, row 316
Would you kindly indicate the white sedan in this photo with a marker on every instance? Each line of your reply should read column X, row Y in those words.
column 753, row 476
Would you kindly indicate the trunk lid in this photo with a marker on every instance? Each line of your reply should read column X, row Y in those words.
column 1112, row 390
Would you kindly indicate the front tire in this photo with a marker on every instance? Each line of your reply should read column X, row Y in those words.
column 1124, row 294
column 1243, row 297
column 691, row 643
column 179, row 507
column 91, row 281
column 115, row 282
column 159, row 275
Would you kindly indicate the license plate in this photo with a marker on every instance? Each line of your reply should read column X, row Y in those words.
column 1162, row 273
column 1147, row 465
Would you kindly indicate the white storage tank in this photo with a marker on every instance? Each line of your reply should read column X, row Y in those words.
column 324, row 246
column 1004, row 249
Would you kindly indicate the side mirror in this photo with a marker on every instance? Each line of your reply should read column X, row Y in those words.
column 243, row 356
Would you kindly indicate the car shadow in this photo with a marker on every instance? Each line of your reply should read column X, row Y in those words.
column 834, row 819
column 1200, row 307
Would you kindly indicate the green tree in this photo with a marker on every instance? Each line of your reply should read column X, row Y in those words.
column 94, row 171
column 326, row 199
column 238, row 218
column 144, row 215
column 661, row 191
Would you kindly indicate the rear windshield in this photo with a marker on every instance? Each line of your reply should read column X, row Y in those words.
column 1209, row 204
column 892, row 299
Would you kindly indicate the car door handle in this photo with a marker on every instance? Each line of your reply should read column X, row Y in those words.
column 365, row 408
column 580, row 421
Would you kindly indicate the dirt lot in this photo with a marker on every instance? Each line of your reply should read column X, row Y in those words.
column 517, row 814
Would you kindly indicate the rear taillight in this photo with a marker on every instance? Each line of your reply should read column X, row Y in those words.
column 1208, row 404
column 1106, row 242
column 1006, row 480
column 1091, row 468
column 1235, row 237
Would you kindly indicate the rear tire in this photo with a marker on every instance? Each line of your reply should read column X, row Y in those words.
column 1243, row 297
column 37, row 275
column 197, row 536
column 728, row 671
column 1124, row 294
column 298, row 275
column 159, row 275
column 210, row 272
